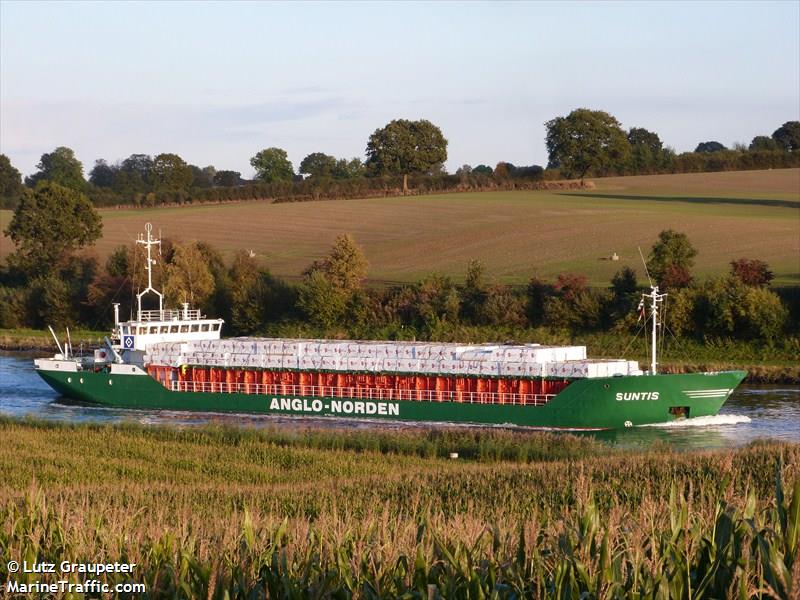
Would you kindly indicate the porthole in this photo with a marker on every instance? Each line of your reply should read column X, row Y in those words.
column 69, row 379
column 605, row 385
column 81, row 379
column 110, row 382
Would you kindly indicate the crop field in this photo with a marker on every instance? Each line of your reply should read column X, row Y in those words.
column 754, row 214
column 240, row 513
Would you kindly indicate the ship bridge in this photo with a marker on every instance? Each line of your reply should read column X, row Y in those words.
column 159, row 326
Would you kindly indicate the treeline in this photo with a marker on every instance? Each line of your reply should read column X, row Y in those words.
column 401, row 157
column 51, row 284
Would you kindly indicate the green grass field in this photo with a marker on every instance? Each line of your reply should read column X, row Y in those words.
column 754, row 214
column 239, row 513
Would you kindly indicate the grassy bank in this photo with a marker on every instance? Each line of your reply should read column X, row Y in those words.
column 220, row 513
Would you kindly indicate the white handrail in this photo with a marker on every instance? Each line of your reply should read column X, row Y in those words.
column 279, row 389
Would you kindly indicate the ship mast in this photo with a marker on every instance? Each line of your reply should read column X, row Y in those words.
column 655, row 299
column 148, row 243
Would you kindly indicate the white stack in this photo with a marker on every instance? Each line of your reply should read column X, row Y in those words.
column 528, row 360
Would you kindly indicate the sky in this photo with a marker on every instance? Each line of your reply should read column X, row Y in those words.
column 217, row 82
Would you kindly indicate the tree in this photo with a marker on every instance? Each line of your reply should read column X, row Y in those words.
column 202, row 178
column 10, row 183
column 763, row 142
column 318, row 164
column 49, row 224
column 348, row 169
column 464, row 170
column 752, row 272
column 624, row 288
column 59, row 166
column 502, row 307
column 671, row 259
column 502, row 171
column 171, row 173
column 483, row 169
column 787, row 136
column 475, row 291
column 227, row 178
column 102, row 174
column 735, row 309
column 586, row 141
column 708, row 147
column 248, row 294
column 646, row 149
column 405, row 147
column 135, row 175
column 118, row 264
column 272, row 165
column 188, row 277
column 345, row 266
column 573, row 306
column 320, row 300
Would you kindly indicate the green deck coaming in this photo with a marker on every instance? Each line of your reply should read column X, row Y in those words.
column 584, row 404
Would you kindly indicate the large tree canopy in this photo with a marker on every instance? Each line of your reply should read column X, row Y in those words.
column 787, row 136
column 59, row 166
column 318, row 164
column 228, row 178
column 272, row 165
column 646, row 149
column 102, row 174
column 763, row 142
column 170, row 172
column 709, row 147
column 671, row 259
column 586, row 141
column 404, row 147
column 50, row 223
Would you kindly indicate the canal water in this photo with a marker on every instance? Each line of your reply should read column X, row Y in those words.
column 752, row 412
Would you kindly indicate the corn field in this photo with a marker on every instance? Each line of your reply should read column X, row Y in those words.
column 237, row 513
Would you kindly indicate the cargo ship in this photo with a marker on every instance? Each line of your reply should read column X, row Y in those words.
column 176, row 359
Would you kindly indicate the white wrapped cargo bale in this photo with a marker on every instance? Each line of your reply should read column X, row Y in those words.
column 355, row 364
column 329, row 363
column 512, row 369
column 489, row 367
column 407, row 365
column 406, row 352
column 310, row 362
column 510, row 354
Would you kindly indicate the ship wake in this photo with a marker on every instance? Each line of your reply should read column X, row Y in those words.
column 710, row 421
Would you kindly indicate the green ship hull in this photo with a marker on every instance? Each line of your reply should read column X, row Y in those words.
column 585, row 404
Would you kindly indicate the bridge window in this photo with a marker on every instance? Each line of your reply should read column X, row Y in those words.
column 215, row 327
column 165, row 329
column 204, row 327
column 184, row 329
column 142, row 330
column 195, row 327
column 173, row 329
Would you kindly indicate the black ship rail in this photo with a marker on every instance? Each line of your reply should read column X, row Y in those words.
column 222, row 387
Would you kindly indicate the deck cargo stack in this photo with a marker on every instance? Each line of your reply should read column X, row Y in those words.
column 518, row 374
